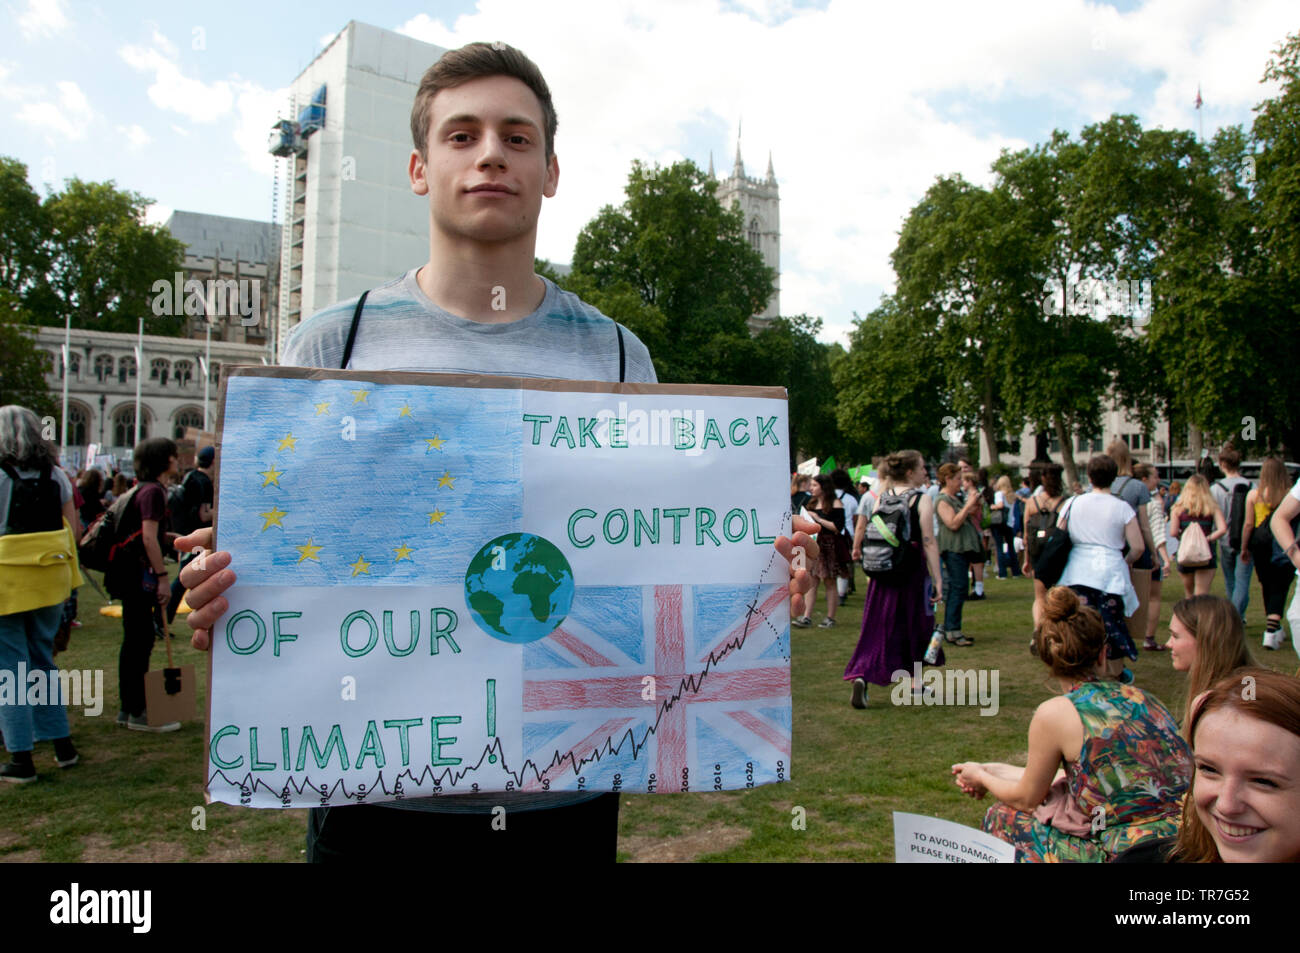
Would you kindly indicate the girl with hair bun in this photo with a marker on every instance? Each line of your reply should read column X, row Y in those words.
column 1125, row 765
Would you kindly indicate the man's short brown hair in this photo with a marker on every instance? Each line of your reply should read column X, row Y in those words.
column 1229, row 457
column 475, row 61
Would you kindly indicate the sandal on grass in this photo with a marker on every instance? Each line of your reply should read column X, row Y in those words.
column 1151, row 645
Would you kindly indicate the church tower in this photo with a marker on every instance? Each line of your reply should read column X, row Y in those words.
column 759, row 201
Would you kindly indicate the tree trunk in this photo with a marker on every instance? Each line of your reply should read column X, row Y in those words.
column 989, row 441
column 1067, row 452
column 1197, row 443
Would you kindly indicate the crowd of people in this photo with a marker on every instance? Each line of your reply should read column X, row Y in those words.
column 1111, row 774
column 45, row 514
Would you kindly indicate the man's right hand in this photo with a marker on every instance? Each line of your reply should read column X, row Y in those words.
column 205, row 579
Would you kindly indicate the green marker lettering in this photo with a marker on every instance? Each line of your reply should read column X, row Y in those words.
column 255, row 764
column 403, row 726
column 537, row 420
column 675, row 514
column 731, row 432
column 370, row 745
column 766, row 428
column 276, row 635
column 587, row 431
column 726, row 526
column 392, row 642
column 704, row 519
column 346, row 627
column 438, row 742
column 230, row 632
column 216, row 758
column 562, row 432
column 711, row 432
column 442, row 629
column 573, row 520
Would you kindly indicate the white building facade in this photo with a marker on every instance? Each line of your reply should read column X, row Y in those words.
column 350, row 219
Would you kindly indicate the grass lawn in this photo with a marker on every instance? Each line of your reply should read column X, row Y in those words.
column 132, row 797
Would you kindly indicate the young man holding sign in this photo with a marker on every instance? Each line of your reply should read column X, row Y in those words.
column 483, row 129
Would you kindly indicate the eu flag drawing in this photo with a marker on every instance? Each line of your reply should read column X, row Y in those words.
column 455, row 585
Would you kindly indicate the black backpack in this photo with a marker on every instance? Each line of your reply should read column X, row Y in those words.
column 101, row 547
column 885, row 542
column 35, row 503
column 1236, row 513
column 1040, row 527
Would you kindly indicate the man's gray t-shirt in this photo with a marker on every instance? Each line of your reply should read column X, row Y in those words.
column 1132, row 491
column 1221, row 490
column 401, row 329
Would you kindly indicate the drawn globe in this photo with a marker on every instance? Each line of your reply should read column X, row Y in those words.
column 519, row 587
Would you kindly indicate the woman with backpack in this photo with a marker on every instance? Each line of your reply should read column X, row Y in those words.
column 1196, row 507
column 1040, row 519
column 898, row 618
column 139, row 576
column 38, row 569
column 1257, row 546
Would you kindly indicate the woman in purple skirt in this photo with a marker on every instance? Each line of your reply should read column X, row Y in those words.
column 898, row 619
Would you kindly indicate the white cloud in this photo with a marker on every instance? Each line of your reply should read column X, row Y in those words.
column 42, row 18
column 68, row 118
column 157, row 214
column 12, row 91
column 251, row 107
column 171, row 90
column 848, row 100
column 136, row 137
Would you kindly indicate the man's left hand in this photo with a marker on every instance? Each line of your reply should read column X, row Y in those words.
column 801, row 580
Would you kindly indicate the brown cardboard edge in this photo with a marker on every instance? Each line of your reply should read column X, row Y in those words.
column 486, row 381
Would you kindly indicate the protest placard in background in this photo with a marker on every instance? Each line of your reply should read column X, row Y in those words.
column 452, row 583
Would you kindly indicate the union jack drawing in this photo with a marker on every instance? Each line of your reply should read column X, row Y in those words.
column 661, row 688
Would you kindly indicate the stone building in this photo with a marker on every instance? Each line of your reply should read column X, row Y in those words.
column 759, row 201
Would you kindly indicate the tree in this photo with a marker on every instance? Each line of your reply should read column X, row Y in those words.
column 890, row 387
column 22, row 366
column 103, row 260
column 24, row 232
column 675, row 248
column 956, row 282
column 789, row 355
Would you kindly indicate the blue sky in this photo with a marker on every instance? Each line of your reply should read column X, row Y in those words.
column 861, row 105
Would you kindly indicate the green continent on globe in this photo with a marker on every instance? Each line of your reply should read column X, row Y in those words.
column 519, row 586
column 488, row 607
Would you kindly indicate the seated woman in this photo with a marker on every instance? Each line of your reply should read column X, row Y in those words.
column 1126, row 767
column 1244, row 806
column 1207, row 641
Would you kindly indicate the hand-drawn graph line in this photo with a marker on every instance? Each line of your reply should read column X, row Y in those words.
column 755, row 618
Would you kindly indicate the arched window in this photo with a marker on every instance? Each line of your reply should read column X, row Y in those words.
column 185, row 418
column 215, row 370
column 755, row 234
column 125, row 369
column 183, row 371
column 124, row 427
column 74, row 364
column 159, row 368
column 78, row 426
column 103, row 367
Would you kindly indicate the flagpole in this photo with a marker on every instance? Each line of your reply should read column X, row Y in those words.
column 139, row 373
column 67, row 350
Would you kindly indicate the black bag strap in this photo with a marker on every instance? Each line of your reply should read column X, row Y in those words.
column 622, row 354
column 352, row 331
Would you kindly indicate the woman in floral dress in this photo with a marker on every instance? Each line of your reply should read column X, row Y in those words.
column 1126, row 768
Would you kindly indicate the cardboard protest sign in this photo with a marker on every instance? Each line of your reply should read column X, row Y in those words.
column 454, row 584
column 930, row 840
